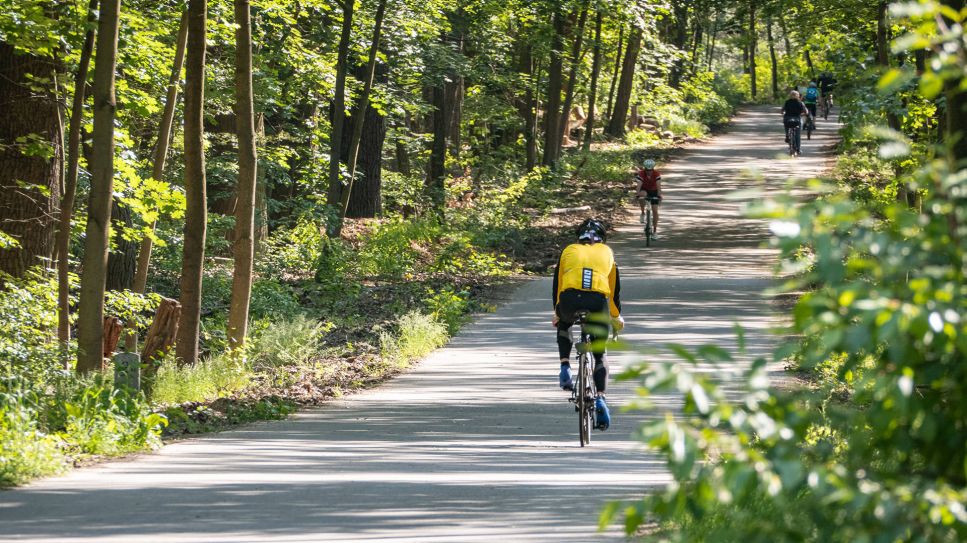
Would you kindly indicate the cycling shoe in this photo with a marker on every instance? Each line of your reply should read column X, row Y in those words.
column 565, row 379
column 602, row 419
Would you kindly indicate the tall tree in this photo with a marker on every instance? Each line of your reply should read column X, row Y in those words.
column 773, row 58
column 31, row 151
column 436, row 178
column 753, row 41
column 243, row 246
column 163, row 143
column 196, row 212
column 362, row 110
column 526, row 105
column 555, row 74
column 595, row 72
column 339, row 107
column 616, row 127
column 615, row 71
column 573, row 75
column 70, row 182
column 90, row 321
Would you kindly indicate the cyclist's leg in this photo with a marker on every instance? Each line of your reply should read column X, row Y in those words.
column 598, row 304
column 655, row 201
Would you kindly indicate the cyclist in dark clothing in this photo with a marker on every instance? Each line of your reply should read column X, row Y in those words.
column 826, row 83
column 793, row 111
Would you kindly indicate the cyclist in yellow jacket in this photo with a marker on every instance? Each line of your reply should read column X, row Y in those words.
column 587, row 279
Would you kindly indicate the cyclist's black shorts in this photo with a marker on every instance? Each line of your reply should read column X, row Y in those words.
column 653, row 197
column 573, row 300
column 812, row 108
column 792, row 121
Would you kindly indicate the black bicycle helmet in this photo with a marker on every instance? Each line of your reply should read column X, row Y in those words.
column 592, row 231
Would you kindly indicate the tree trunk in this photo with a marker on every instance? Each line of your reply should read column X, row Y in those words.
column 122, row 261
column 785, row 33
column 698, row 38
column 158, row 169
column 680, row 36
column 366, row 199
column 882, row 35
column 616, row 127
column 753, row 40
column 196, row 212
column 614, row 72
column 572, row 78
column 361, row 115
column 243, row 248
column 162, row 145
column 90, row 320
column 436, row 189
column 455, row 85
column 29, row 183
column 955, row 121
column 339, row 106
column 775, row 61
column 402, row 155
column 593, row 91
column 525, row 105
column 552, row 112
column 711, row 46
column 70, row 183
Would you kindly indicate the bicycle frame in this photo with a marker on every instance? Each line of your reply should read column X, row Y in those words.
column 649, row 214
column 584, row 392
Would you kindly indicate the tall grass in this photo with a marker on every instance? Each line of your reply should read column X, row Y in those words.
column 212, row 378
column 417, row 336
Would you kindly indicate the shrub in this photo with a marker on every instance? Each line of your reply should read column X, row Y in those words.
column 417, row 336
column 212, row 378
column 28, row 338
column 97, row 419
column 25, row 451
column 290, row 342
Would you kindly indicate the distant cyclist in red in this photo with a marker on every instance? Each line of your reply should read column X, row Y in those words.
column 649, row 186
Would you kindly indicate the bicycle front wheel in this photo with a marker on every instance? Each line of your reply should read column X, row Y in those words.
column 584, row 410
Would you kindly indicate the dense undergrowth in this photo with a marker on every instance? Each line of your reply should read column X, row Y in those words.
column 329, row 316
column 870, row 447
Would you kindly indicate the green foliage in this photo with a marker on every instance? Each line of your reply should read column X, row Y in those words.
column 97, row 419
column 449, row 307
column 417, row 335
column 215, row 377
column 289, row 342
column 394, row 249
column 29, row 310
column 25, row 451
column 199, row 418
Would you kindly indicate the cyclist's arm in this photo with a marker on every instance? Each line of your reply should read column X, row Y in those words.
column 557, row 276
column 615, row 282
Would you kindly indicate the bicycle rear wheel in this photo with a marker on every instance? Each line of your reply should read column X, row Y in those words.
column 584, row 410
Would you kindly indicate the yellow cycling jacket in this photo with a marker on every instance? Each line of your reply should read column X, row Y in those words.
column 589, row 267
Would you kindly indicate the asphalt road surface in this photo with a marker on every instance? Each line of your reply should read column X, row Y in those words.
column 477, row 443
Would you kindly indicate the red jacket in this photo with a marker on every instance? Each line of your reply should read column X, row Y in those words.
column 648, row 179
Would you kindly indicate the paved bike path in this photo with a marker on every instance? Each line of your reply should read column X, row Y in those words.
column 476, row 443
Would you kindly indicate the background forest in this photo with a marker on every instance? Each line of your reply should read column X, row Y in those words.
column 276, row 202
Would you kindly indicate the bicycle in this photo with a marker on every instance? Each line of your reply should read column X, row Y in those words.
column 584, row 392
column 827, row 104
column 793, row 128
column 810, row 125
column 649, row 229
